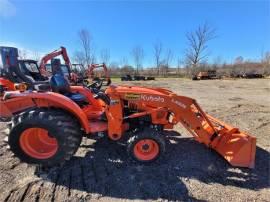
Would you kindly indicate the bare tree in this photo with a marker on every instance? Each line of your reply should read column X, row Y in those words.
column 179, row 64
column 266, row 58
column 86, row 41
column 167, row 61
column 238, row 60
column 138, row 55
column 23, row 54
column 217, row 63
column 105, row 55
column 126, row 69
column 197, row 44
column 114, row 68
column 78, row 57
column 124, row 61
column 36, row 55
column 157, row 55
column 239, row 66
column 265, row 61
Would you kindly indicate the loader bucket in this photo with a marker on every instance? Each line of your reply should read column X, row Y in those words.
column 237, row 147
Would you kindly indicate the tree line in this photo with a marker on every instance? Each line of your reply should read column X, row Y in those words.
column 194, row 59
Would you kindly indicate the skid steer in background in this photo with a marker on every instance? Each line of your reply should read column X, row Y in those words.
column 47, row 127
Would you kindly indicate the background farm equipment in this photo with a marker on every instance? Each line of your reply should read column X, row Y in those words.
column 33, row 76
column 150, row 78
column 97, row 78
column 139, row 78
column 210, row 74
column 14, row 71
column 128, row 77
column 252, row 76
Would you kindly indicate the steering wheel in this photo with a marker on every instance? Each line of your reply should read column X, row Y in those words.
column 96, row 84
column 95, row 88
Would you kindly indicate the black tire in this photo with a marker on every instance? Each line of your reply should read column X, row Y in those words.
column 146, row 134
column 60, row 125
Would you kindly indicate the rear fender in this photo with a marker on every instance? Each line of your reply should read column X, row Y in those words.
column 7, row 84
column 48, row 99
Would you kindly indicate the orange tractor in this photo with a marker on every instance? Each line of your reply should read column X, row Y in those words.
column 47, row 127
column 14, row 71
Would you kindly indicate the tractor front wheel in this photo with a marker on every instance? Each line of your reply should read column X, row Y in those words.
column 146, row 146
column 45, row 137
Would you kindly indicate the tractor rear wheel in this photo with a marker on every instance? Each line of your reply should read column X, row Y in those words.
column 45, row 137
column 146, row 146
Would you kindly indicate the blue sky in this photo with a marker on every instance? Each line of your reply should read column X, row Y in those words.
column 243, row 27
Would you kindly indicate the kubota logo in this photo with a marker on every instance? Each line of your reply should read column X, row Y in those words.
column 152, row 98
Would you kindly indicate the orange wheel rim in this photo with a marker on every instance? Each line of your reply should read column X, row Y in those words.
column 146, row 149
column 37, row 143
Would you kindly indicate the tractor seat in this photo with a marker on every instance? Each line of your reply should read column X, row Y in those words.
column 78, row 98
column 59, row 84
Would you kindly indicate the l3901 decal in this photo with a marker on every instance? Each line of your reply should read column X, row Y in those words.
column 152, row 98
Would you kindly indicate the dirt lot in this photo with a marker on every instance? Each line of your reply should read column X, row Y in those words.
column 189, row 171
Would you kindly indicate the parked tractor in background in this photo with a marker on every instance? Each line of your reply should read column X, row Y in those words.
column 128, row 77
column 30, row 73
column 252, row 76
column 17, row 74
column 205, row 75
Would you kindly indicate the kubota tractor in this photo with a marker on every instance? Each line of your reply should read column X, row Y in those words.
column 47, row 127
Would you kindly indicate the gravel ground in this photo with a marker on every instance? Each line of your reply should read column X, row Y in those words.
column 189, row 171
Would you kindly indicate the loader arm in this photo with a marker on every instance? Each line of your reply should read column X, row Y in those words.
column 237, row 147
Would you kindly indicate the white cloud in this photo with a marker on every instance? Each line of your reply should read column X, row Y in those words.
column 7, row 9
column 23, row 52
column 27, row 53
column 8, row 43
